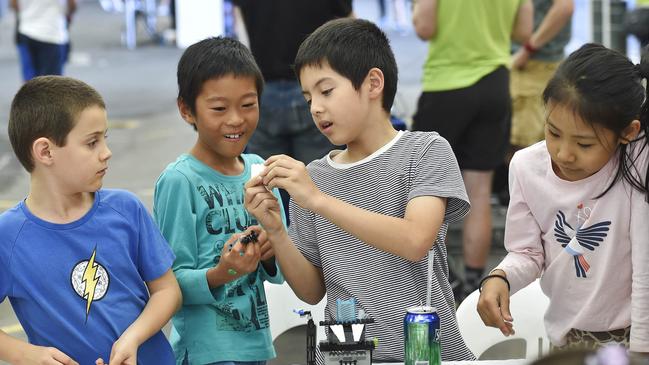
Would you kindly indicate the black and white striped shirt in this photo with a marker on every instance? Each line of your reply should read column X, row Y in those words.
column 413, row 164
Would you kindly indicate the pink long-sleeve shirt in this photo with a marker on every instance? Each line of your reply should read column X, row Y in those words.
column 592, row 253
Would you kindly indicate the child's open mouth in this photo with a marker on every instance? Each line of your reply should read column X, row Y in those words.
column 234, row 136
column 325, row 125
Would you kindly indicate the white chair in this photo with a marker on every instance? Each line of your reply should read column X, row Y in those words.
column 281, row 302
column 527, row 307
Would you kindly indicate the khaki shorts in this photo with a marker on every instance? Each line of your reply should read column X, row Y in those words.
column 528, row 112
column 587, row 340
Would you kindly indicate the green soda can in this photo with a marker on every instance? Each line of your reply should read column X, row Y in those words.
column 421, row 329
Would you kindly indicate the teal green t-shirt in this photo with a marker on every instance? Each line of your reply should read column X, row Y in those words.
column 473, row 39
column 198, row 209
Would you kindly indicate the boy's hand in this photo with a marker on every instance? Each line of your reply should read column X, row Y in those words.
column 240, row 259
column 493, row 305
column 265, row 247
column 291, row 175
column 124, row 352
column 45, row 355
column 263, row 205
column 267, row 253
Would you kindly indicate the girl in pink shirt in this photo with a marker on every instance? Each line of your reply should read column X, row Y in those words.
column 579, row 213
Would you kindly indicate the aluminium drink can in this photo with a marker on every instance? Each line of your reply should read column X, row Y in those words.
column 421, row 329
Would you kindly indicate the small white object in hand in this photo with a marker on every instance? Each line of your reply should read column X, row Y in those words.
column 256, row 169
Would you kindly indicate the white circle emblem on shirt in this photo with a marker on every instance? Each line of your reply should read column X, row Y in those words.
column 83, row 281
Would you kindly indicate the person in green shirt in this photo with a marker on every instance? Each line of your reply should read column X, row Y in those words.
column 466, row 99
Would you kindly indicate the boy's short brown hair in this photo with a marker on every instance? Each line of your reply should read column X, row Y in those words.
column 47, row 106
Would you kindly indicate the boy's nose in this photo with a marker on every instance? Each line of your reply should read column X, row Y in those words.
column 235, row 119
column 315, row 108
column 107, row 154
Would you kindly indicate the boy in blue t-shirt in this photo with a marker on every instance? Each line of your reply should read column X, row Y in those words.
column 198, row 205
column 86, row 270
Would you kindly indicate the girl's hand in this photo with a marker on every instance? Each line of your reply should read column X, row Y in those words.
column 238, row 258
column 45, row 355
column 291, row 175
column 493, row 305
column 263, row 205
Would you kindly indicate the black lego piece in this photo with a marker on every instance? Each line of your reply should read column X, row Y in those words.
column 251, row 237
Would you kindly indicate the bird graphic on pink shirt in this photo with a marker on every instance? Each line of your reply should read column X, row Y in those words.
column 584, row 238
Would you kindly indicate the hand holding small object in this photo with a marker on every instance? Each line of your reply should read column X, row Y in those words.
column 257, row 169
column 265, row 247
column 251, row 237
column 263, row 205
column 238, row 257
column 291, row 175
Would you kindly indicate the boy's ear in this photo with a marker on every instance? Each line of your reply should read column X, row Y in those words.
column 376, row 82
column 42, row 151
column 185, row 111
column 630, row 132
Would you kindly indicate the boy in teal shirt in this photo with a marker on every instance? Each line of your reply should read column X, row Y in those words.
column 199, row 206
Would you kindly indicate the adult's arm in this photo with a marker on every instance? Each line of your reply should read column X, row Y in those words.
column 524, row 22
column 424, row 19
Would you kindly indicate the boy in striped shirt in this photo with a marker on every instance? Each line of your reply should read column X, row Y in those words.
column 364, row 219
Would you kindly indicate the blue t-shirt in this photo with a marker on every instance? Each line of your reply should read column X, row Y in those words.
column 198, row 209
column 78, row 286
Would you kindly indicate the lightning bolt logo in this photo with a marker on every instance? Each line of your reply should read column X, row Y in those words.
column 90, row 279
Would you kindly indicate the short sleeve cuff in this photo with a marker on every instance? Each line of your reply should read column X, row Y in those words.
column 457, row 204
column 163, row 263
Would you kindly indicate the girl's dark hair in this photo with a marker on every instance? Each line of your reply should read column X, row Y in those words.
column 604, row 87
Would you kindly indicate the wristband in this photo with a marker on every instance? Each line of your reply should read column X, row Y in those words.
column 509, row 288
column 528, row 47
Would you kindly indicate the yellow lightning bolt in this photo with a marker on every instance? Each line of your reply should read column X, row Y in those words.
column 91, row 281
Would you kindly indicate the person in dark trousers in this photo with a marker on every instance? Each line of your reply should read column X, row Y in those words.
column 42, row 35
column 275, row 30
